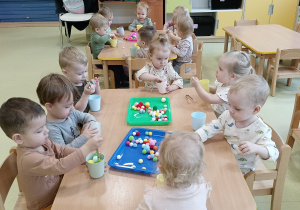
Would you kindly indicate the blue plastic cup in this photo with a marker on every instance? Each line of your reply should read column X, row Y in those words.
column 96, row 170
column 95, row 103
column 198, row 120
column 133, row 51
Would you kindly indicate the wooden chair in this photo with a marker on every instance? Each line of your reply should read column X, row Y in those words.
column 196, row 65
column 237, row 46
column 288, row 72
column 8, row 173
column 297, row 29
column 271, row 181
column 135, row 65
column 294, row 132
column 94, row 70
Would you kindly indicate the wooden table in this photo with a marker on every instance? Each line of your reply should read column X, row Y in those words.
column 119, row 189
column 114, row 55
column 263, row 40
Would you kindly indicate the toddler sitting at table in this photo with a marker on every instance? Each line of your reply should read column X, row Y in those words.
column 184, row 48
column 99, row 25
column 40, row 162
column 248, row 136
column 159, row 69
column 74, row 65
column 142, row 10
column 232, row 66
column 108, row 14
column 179, row 10
column 57, row 94
column 182, row 167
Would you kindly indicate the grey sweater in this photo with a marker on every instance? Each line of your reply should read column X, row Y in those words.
column 136, row 22
column 67, row 132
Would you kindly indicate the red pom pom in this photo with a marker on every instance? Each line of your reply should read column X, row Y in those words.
column 151, row 146
column 138, row 133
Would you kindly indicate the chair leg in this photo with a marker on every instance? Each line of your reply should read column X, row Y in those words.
column 66, row 26
column 61, row 36
column 112, row 84
column 268, row 71
column 289, row 82
column 273, row 85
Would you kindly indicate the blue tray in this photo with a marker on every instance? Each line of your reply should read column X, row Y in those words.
column 133, row 154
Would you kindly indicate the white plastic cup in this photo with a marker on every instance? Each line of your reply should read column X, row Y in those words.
column 198, row 120
column 121, row 31
column 95, row 103
column 96, row 125
column 162, row 87
column 133, row 51
column 96, row 170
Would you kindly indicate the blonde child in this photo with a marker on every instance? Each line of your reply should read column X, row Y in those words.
column 142, row 10
column 57, row 94
column 248, row 136
column 159, row 69
column 108, row 14
column 182, row 167
column 74, row 66
column 179, row 10
column 232, row 66
column 99, row 38
column 41, row 162
column 184, row 48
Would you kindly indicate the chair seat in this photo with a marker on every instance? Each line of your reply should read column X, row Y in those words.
column 70, row 17
column 21, row 202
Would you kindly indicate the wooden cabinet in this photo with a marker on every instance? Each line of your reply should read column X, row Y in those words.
column 156, row 12
column 226, row 19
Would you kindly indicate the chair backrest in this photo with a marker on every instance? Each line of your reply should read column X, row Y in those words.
column 235, row 45
column 295, row 120
column 91, row 61
column 246, row 22
column 278, row 174
column 297, row 29
column 288, row 54
column 135, row 65
column 8, row 173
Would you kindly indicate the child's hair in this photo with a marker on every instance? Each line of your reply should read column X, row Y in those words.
column 98, row 21
column 143, row 5
column 16, row 114
column 105, row 12
column 146, row 33
column 254, row 87
column 240, row 62
column 181, row 10
column 181, row 158
column 71, row 55
column 159, row 39
column 176, row 18
column 185, row 25
column 53, row 87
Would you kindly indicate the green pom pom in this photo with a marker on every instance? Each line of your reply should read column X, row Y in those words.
column 155, row 108
column 144, row 151
column 155, row 159
column 131, row 138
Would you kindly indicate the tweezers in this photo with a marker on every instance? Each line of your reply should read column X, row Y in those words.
column 190, row 99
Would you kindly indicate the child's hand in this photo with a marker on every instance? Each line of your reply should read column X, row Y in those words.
column 91, row 144
column 194, row 82
column 96, row 80
column 248, row 148
column 134, row 30
column 158, row 80
column 125, row 58
column 169, row 88
column 89, row 88
column 112, row 35
column 89, row 132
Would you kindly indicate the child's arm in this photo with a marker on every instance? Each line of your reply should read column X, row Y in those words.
column 205, row 96
column 149, row 77
column 212, row 89
column 248, row 148
column 84, row 99
column 97, row 85
column 102, row 39
column 132, row 26
column 173, row 36
column 181, row 49
column 177, row 81
column 209, row 130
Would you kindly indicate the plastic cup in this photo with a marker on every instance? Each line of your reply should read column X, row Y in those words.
column 138, row 27
column 114, row 42
column 205, row 84
column 121, row 31
column 96, row 170
column 159, row 180
column 95, row 103
column 133, row 50
column 96, row 125
column 162, row 87
column 198, row 120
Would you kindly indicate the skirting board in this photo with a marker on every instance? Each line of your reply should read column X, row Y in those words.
column 29, row 24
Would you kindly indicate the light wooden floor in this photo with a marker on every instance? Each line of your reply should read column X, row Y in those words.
column 29, row 53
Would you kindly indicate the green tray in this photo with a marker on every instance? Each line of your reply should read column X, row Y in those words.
column 145, row 118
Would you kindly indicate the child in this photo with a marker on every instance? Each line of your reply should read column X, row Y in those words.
column 144, row 38
column 232, row 66
column 41, row 162
column 182, row 10
column 142, row 10
column 108, row 14
column 248, row 136
column 99, row 25
column 184, row 48
column 57, row 94
column 159, row 69
column 74, row 65
column 182, row 167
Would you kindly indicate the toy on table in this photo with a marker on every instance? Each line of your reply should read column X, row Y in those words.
column 135, row 44
column 138, row 151
column 149, row 111
column 132, row 37
column 90, row 83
